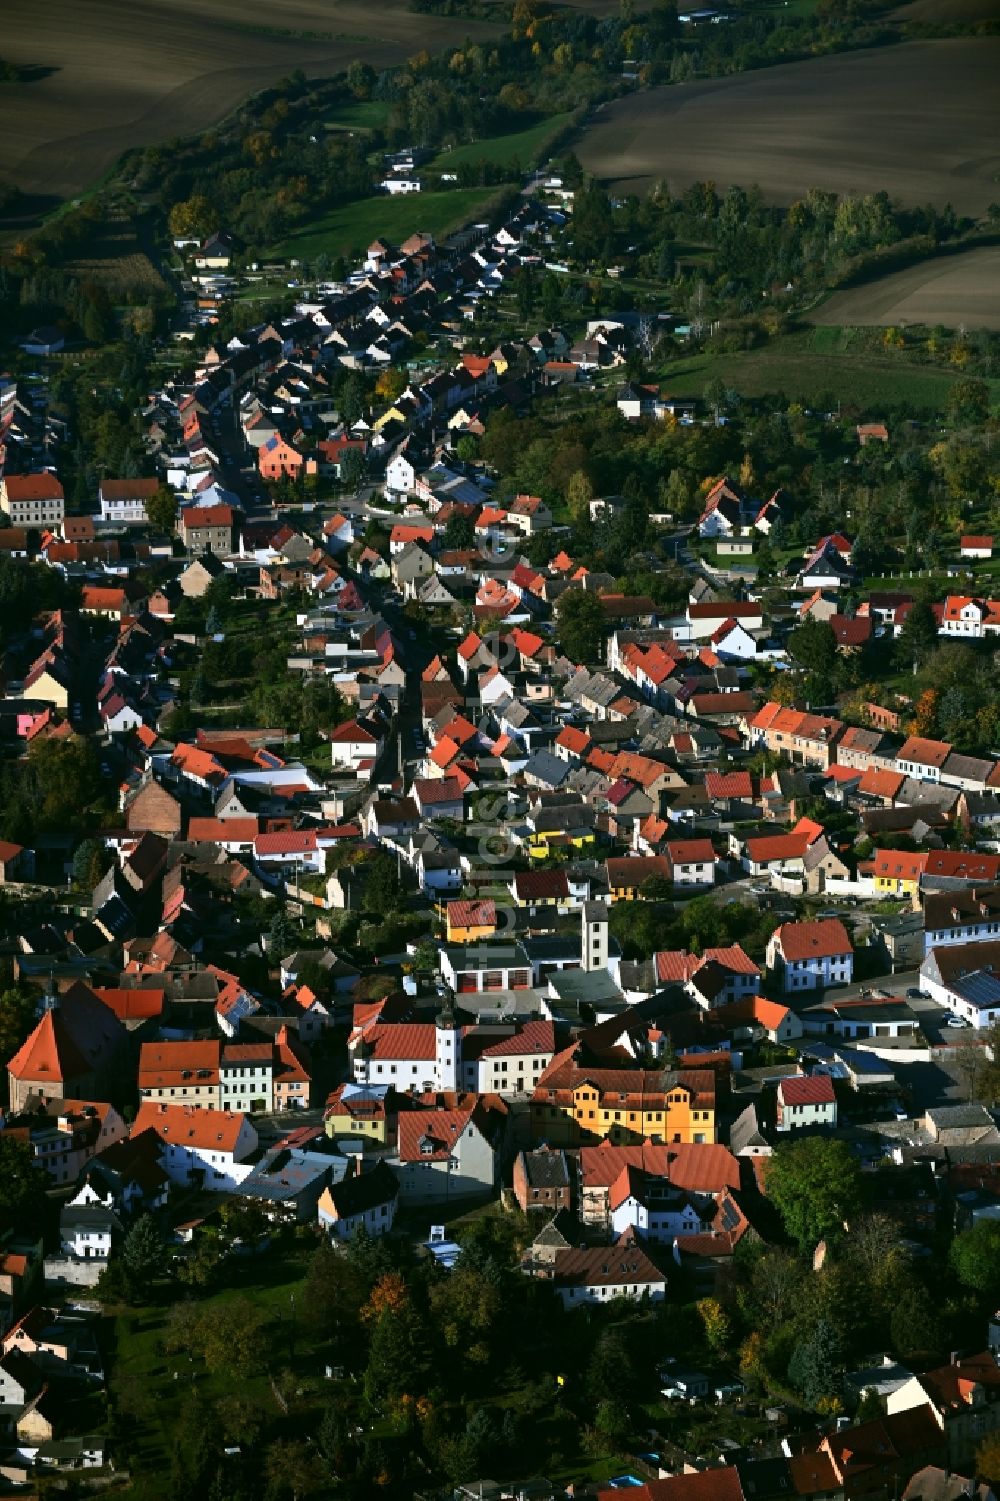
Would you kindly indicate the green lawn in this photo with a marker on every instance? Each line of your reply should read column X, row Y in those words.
column 149, row 1397
column 352, row 227
column 814, row 364
column 525, row 146
column 359, row 114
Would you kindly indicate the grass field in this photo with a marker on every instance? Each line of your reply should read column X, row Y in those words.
column 359, row 114
column 111, row 75
column 353, row 226
column 142, row 1375
column 918, row 120
column 813, row 366
column 519, row 145
column 950, row 289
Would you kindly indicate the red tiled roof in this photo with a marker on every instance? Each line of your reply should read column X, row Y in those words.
column 695, row 1168
column 204, row 1130
column 924, row 752
column 472, row 914
column 41, row 486
column 441, row 1127
column 728, row 784
column 824, row 938
column 815, row 1089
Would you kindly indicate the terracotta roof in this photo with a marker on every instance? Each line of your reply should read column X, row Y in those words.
column 898, row 865
column 193, row 517
column 222, row 830
column 537, row 885
column 406, row 1041
column 675, row 966
column 924, row 752
column 690, row 851
column 472, row 914
column 878, row 782
column 815, row 1089
column 695, row 1168
column 183, row 1125
column 166, row 1064
column 606, row 1266
column 441, row 1129
column 129, row 1004
column 824, row 938
column 41, row 486
column 531, row 1038
column 728, row 784
column 49, row 1053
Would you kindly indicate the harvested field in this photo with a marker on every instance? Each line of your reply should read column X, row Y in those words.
column 137, row 74
column 947, row 12
column 951, row 289
column 117, row 260
column 919, row 120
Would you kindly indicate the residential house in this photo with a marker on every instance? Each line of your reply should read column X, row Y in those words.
column 806, row 1101
column 448, row 1153
column 584, row 1276
column 363, row 1202
column 202, row 1148
column 32, row 500
column 810, row 955
column 542, row 1180
column 964, row 1397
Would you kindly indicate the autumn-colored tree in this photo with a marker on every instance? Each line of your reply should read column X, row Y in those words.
column 193, row 218
column 716, row 1324
column 389, row 1295
column 924, row 713
column 752, row 1368
column 390, row 384
column 747, row 474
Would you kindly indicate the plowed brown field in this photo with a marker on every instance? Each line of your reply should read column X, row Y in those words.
column 118, row 73
column 919, row 120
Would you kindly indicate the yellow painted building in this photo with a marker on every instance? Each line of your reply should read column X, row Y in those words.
column 623, row 1106
column 897, row 872
column 364, row 1111
column 470, row 921
column 543, row 843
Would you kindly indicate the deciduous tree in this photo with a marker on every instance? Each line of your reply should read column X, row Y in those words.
column 815, row 1186
column 581, row 625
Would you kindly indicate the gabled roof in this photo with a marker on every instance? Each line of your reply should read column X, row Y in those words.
column 825, row 938
column 814, row 1089
column 200, row 1129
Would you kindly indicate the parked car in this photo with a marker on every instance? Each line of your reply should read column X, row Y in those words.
column 956, row 1021
column 913, row 994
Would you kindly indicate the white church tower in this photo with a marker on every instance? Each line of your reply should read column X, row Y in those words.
column 594, row 936
column 448, row 1038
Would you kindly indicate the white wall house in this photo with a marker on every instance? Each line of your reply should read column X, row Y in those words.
column 692, row 862
column 583, row 1277
column 206, row 1148
column 811, row 955
column 806, row 1101
column 444, row 1155
column 366, row 1201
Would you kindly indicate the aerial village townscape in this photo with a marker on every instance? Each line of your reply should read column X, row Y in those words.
column 500, row 757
